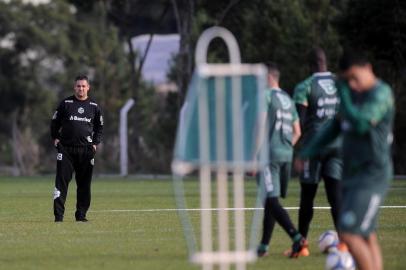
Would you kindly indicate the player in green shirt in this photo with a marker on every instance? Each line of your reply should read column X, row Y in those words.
column 317, row 102
column 283, row 131
column 365, row 121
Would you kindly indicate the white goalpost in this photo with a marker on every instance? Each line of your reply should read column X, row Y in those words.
column 215, row 137
column 123, row 131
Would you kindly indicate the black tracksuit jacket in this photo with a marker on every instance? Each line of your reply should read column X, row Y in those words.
column 77, row 122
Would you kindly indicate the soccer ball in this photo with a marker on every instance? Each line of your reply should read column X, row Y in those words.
column 339, row 260
column 328, row 241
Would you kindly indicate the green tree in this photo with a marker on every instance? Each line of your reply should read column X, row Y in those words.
column 279, row 31
column 29, row 54
column 43, row 48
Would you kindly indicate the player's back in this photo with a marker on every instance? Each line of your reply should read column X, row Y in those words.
column 319, row 94
column 281, row 116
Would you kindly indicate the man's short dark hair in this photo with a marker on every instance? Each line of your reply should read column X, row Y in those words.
column 273, row 69
column 352, row 58
column 317, row 57
column 82, row 77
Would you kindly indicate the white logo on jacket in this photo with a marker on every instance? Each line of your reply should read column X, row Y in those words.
column 82, row 119
column 328, row 86
column 59, row 156
column 81, row 110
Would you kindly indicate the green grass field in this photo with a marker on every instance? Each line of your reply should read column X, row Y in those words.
column 29, row 239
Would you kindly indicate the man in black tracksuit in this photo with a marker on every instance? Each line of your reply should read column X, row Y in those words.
column 76, row 128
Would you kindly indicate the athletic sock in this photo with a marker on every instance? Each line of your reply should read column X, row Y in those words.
column 263, row 247
column 297, row 237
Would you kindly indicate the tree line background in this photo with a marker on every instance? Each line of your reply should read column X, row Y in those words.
column 43, row 47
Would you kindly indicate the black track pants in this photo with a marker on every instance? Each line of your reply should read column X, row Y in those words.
column 307, row 195
column 274, row 212
column 78, row 159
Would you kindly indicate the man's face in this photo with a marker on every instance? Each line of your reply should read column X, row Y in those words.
column 359, row 77
column 81, row 89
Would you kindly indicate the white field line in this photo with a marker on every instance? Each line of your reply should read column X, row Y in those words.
column 224, row 209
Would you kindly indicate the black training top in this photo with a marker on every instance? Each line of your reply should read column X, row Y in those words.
column 77, row 122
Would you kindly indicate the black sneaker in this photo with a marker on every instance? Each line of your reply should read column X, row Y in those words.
column 58, row 219
column 297, row 247
column 81, row 219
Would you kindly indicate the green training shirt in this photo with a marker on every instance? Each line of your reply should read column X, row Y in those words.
column 366, row 121
column 319, row 94
column 281, row 116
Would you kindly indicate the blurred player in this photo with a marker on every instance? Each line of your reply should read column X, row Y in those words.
column 283, row 129
column 317, row 102
column 365, row 120
column 76, row 128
